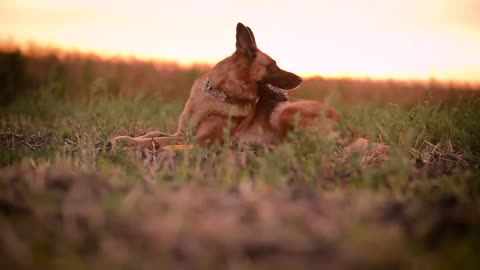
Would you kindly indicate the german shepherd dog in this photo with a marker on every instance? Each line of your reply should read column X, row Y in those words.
column 245, row 93
column 224, row 96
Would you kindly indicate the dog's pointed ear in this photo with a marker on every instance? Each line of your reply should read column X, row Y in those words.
column 252, row 36
column 245, row 41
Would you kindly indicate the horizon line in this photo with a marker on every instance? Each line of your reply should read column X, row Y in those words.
column 48, row 48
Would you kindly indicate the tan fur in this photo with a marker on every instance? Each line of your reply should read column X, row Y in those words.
column 237, row 76
column 247, row 76
column 271, row 121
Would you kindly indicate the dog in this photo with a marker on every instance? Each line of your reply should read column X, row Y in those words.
column 224, row 96
column 246, row 93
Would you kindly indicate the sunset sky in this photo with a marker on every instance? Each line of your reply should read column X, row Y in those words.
column 377, row 38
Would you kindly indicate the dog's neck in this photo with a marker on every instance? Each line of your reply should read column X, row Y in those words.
column 206, row 87
column 220, row 95
column 231, row 76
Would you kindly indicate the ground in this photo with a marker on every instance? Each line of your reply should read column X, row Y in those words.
column 69, row 201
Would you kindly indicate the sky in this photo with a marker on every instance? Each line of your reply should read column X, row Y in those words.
column 402, row 39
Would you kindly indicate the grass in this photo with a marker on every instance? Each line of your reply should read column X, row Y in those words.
column 63, row 130
column 67, row 201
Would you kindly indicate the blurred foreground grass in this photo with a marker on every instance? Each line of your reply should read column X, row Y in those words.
column 69, row 202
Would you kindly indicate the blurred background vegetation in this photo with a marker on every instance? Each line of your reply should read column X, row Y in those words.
column 67, row 201
column 80, row 76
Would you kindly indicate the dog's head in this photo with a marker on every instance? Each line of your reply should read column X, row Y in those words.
column 247, row 68
column 262, row 68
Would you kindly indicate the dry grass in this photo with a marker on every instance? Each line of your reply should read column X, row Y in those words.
column 69, row 201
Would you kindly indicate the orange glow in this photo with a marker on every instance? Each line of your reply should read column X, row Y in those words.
column 404, row 39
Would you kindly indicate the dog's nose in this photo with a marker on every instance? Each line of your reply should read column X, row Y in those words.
column 299, row 79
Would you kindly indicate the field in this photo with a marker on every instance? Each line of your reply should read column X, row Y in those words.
column 69, row 201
